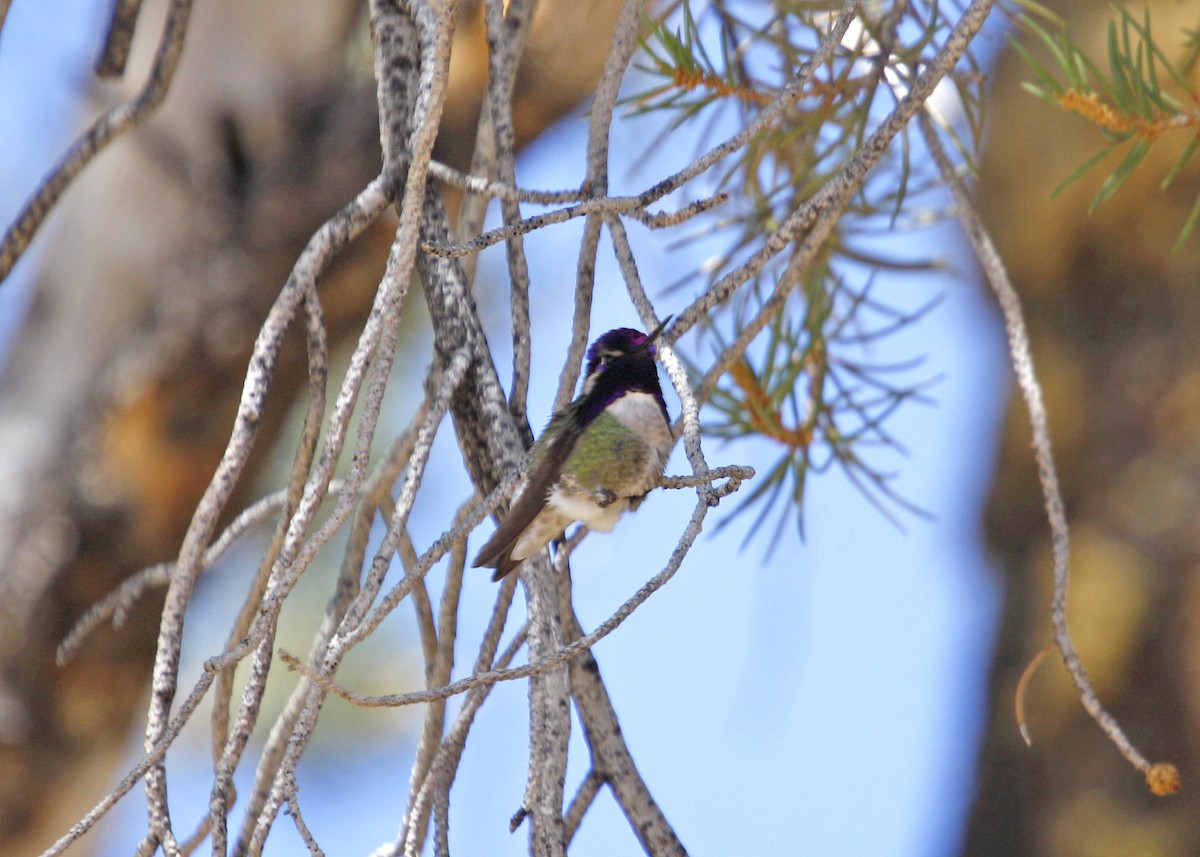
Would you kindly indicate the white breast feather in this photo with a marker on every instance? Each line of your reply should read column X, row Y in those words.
column 640, row 413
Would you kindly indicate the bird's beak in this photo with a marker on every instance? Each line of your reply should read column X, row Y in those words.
column 653, row 335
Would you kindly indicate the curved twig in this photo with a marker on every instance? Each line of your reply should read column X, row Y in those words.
column 1162, row 777
column 122, row 118
column 115, row 54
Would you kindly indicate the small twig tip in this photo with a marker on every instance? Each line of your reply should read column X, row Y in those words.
column 1022, row 686
column 1025, row 734
column 1163, row 779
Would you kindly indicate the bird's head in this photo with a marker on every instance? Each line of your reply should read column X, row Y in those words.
column 619, row 362
column 625, row 349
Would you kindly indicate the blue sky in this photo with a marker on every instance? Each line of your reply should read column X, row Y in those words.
column 826, row 701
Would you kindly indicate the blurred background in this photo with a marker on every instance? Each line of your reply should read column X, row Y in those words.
column 847, row 693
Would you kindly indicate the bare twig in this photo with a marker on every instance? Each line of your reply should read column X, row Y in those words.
column 508, row 25
column 441, row 666
column 306, row 447
column 690, row 417
column 634, row 206
column 735, row 473
column 302, row 828
column 339, row 644
column 1162, row 777
column 582, row 802
column 115, row 54
column 477, row 184
column 394, row 40
column 333, row 235
column 122, row 118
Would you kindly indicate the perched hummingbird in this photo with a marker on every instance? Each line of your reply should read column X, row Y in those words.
column 599, row 456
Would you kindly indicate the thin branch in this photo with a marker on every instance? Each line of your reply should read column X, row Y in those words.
column 374, row 351
column 690, row 416
column 328, row 240
column 508, row 24
column 634, row 206
column 582, row 802
column 115, row 54
column 302, row 828
column 483, row 186
column 124, row 117
column 735, row 473
column 395, row 47
column 338, row 646
column 1162, row 777
column 624, row 41
column 441, row 668
column 306, row 447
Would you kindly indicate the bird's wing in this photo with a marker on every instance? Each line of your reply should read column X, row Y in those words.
column 497, row 552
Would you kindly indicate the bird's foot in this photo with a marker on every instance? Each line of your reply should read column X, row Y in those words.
column 603, row 498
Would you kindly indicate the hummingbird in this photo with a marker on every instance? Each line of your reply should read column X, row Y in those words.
column 597, row 457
